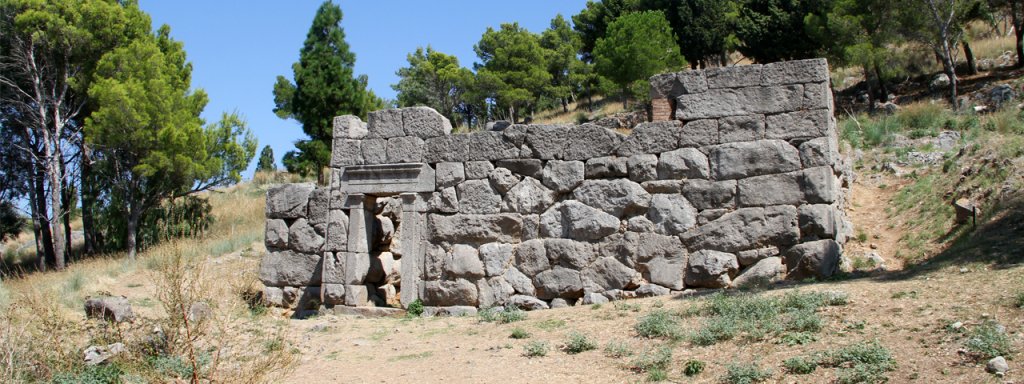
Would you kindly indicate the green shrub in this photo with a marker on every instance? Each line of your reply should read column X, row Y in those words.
column 757, row 317
column 800, row 365
column 96, row 374
column 536, row 349
column 501, row 315
column 657, row 374
column 860, row 363
column 617, row 349
column 988, row 340
column 746, row 374
column 578, row 343
column 649, row 360
column 658, row 323
column 415, row 309
column 519, row 333
column 1018, row 301
column 797, row 338
column 693, row 367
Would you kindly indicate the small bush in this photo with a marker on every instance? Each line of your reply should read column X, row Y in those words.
column 617, row 349
column 650, row 360
column 551, row 324
column 693, row 367
column 415, row 309
column 519, row 333
column 1018, row 301
column 797, row 338
column 578, row 343
column 746, row 374
column 501, row 315
column 860, row 363
column 656, row 375
column 97, row 374
column 658, row 323
column 800, row 365
column 536, row 349
column 988, row 340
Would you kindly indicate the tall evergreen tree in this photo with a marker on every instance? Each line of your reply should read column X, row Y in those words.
column 325, row 86
column 562, row 45
column 433, row 79
column 592, row 22
column 266, row 162
column 774, row 30
column 638, row 46
column 513, row 57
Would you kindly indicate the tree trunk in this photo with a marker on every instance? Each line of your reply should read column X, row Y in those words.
column 625, row 98
column 46, row 257
column 37, row 229
column 565, row 105
column 950, row 69
column 56, row 186
column 134, row 214
column 881, row 83
column 590, row 99
column 88, row 201
column 1018, row 32
column 972, row 67
column 871, row 94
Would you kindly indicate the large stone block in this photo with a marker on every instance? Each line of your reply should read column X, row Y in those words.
column 450, row 293
column 798, row 125
column 711, row 269
column 606, row 167
column 766, row 271
column 527, row 167
column 303, row 238
column 522, row 284
column 345, row 152
column 706, row 194
column 424, row 122
column 665, row 272
column 589, row 141
column 734, row 77
column 818, row 96
column 446, row 148
column 684, row 163
column 337, row 231
column 288, row 201
column 656, row 137
column 817, row 221
column 671, row 214
column 478, row 197
column 778, row 189
column 405, row 149
column 446, row 201
column 529, row 196
column 488, row 145
column 755, row 158
column 290, row 269
column 449, row 174
column 608, row 273
column 669, row 85
column 464, row 262
column 624, row 247
column 615, row 197
column 717, row 103
column 276, row 235
column 741, row 128
column 531, row 257
column 578, row 221
column 547, row 141
column 699, row 133
column 375, row 151
column 816, row 259
column 643, row 167
column 819, row 152
column 563, row 176
column 349, row 127
column 559, row 282
column 503, row 180
column 795, row 72
column 494, row 291
column 569, row 253
column 475, row 229
column 746, row 228
column 319, row 206
column 497, row 257
column 385, row 124
column 820, row 185
column 480, row 169
column 357, row 267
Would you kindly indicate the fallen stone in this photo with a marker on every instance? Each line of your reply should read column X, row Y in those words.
column 594, row 298
column 96, row 355
column 527, row 303
column 711, row 269
column 114, row 309
column 652, row 290
column 997, row 366
column 816, row 259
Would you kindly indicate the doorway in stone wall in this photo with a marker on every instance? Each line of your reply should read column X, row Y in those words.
column 385, row 277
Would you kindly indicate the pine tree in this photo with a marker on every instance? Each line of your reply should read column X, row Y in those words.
column 266, row 162
column 638, row 46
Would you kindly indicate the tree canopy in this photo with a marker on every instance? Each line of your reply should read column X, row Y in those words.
column 638, row 45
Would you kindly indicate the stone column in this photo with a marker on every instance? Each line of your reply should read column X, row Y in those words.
column 413, row 239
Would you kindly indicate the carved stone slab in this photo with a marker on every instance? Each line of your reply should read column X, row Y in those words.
column 388, row 178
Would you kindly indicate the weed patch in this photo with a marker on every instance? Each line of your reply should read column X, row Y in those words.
column 658, row 324
column 653, row 362
column 693, row 368
column 536, row 349
column 746, row 374
column 519, row 333
column 579, row 343
column 793, row 318
column 617, row 349
column 501, row 315
column 987, row 340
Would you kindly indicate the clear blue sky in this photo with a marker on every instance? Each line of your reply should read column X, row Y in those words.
column 238, row 47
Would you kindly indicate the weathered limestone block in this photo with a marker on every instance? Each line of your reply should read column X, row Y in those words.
column 814, row 185
column 709, row 215
column 820, row 152
column 741, row 128
column 446, row 148
column 494, row 291
column 288, row 201
column 450, row 292
column 345, row 152
column 616, row 197
column 606, row 167
column 496, row 257
column 817, row 221
column 332, row 268
column 563, row 176
column 531, row 258
column 529, row 196
column 332, row 294
column 547, row 141
column 575, row 220
column 820, row 185
column 515, row 133
column 607, row 273
column 746, row 228
column 303, row 238
column 795, row 71
column 434, row 260
column 385, row 124
column 711, row 269
column 671, row 214
column 569, row 253
column 684, row 163
column 665, row 272
column 288, row 268
column 559, row 282
column 755, row 158
column 656, row 137
column 797, row 125
column 276, row 234
column 816, row 259
column 726, row 102
column 490, row 146
column 503, row 180
column 465, row 262
column 357, row 267
column 317, row 209
column 768, row 270
column 622, row 247
column 818, row 95
column 475, row 229
column 349, row 127
column 589, row 141
column 374, row 151
column 357, row 296
column 478, row 197
column 527, row 167
column 643, row 167
column 734, row 77
column 531, row 226
column 706, row 194
column 699, row 133
column 424, row 122
column 668, row 85
column 479, row 169
column 383, row 269
column 527, row 303
column 639, row 224
column 446, row 201
column 522, row 284
column 116, row 309
column 651, row 290
column 663, row 186
column 405, row 149
column 449, row 174
column 751, row 257
column 652, row 245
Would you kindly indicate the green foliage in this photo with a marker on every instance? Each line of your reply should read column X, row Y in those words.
column 501, row 315
column 96, row 374
column 519, row 333
column 703, row 28
column 774, row 30
column 551, row 324
column 988, row 340
column 637, row 46
column 560, row 44
column 579, row 342
column 865, row 362
column 792, row 317
column 325, row 86
column 415, row 308
column 1018, row 300
column 617, row 349
column 658, row 324
column 536, row 349
column 649, row 360
column 435, row 80
column 746, row 374
column 513, row 68
column 266, row 161
column 592, row 22
column 11, row 223
column 800, row 365
column 693, row 367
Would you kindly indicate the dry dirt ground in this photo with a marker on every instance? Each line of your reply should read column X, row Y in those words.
column 907, row 312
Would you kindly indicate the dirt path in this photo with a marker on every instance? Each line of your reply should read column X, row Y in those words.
column 869, row 198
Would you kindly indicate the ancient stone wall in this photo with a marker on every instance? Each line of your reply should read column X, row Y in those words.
column 737, row 181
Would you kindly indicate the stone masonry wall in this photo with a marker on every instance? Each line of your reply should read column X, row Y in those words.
column 741, row 183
